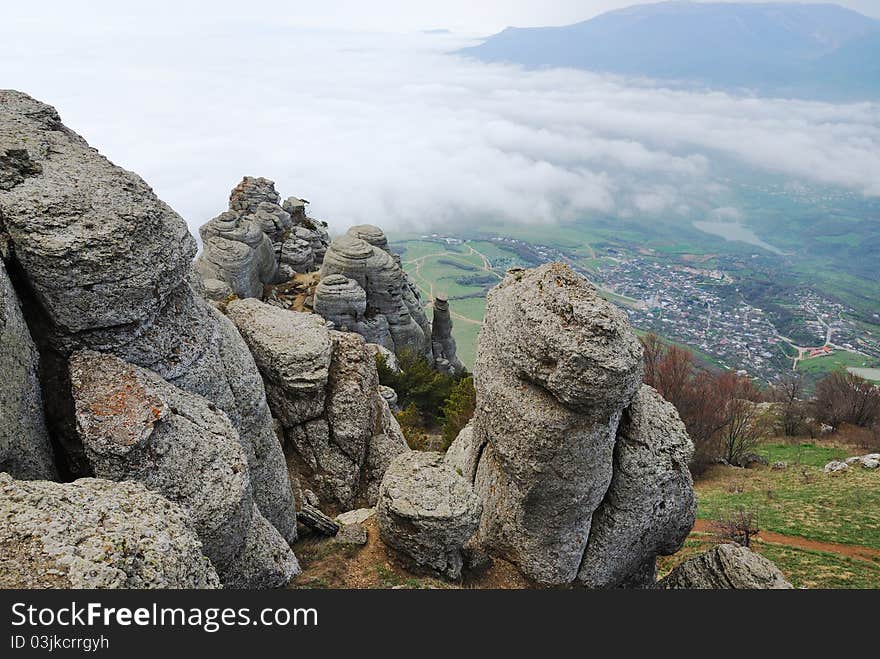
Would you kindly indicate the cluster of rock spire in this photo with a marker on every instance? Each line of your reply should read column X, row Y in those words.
column 361, row 285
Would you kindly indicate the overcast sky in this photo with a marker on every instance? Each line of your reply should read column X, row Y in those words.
column 391, row 129
column 483, row 16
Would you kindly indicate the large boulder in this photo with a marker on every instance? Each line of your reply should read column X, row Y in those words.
column 556, row 366
column 650, row 506
column 136, row 426
column 25, row 448
column 94, row 533
column 726, row 566
column 427, row 511
column 323, row 387
column 107, row 266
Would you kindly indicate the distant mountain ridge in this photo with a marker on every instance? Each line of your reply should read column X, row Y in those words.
column 802, row 50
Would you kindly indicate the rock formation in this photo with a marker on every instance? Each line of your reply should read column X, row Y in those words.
column 726, row 566
column 442, row 341
column 25, row 449
column 388, row 294
column 94, row 533
column 257, row 242
column 569, row 492
column 323, row 387
column 427, row 511
column 650, row 506
column 136, row 426
column 555, row 368
column 101, row 263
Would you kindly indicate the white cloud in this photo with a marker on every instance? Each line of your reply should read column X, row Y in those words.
column 390, row 130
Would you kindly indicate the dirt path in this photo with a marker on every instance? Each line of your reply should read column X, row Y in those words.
column 852, row 551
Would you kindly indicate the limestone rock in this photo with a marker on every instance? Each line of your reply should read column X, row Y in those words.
column 237, row 253
column 463, row 455
column 556, row 366
column 835, row 465
column 292, row 352
column 387, row 289
column 323, row 387
column 351, row 534
column 358, row 516
column 559, row 334
column 442, row 341
column 726, row 566
column 94, row 533
column 137, row 426
column 650, row 506
column 427, row 511
column 342, row 301
column 25, row 449
column 108, row 267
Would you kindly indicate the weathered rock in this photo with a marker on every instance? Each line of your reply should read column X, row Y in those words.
column 835, row 465
column 385, row 285
column 324, row 388
column 427, row 511
column 247, row 196
column 292, row 351
column 94, row 533
column 749, row 460
column 463, row 454
column 358, row 516
column 25, row 449
column 108, row 267
column 650, row 506
column 726, row 566
column 442, row 341
column 351, row 534
column 342, row 301
column 236, row 252
column 556, row 366
column 390, row 397
column 136, row 426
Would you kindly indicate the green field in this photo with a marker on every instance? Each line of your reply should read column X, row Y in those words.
column 837, row 361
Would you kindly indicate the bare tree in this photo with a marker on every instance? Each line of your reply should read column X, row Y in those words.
column 737, row 526
column 843, row 397
column 793, row 412
column 740, row 432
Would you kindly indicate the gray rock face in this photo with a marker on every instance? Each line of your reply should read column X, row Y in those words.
column 25, row 449
column 108, row 267
column 726, row 566
column 427, row 511
column 463, row 455
column 94, row 533
column 238, row 258
column 323, row 387
column 137, row 426
column 556, row 366
column 650, row 506
column 292, row 351
column 389, row 294
column 442, row 341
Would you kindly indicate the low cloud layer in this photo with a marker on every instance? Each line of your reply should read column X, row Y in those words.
column 389, row 129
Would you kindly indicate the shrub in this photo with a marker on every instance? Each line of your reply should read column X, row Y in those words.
column 458, row 409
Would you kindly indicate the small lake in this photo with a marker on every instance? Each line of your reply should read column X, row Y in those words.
column 734, row 231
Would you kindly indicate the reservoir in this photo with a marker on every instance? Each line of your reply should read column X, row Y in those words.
column 734, row 231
